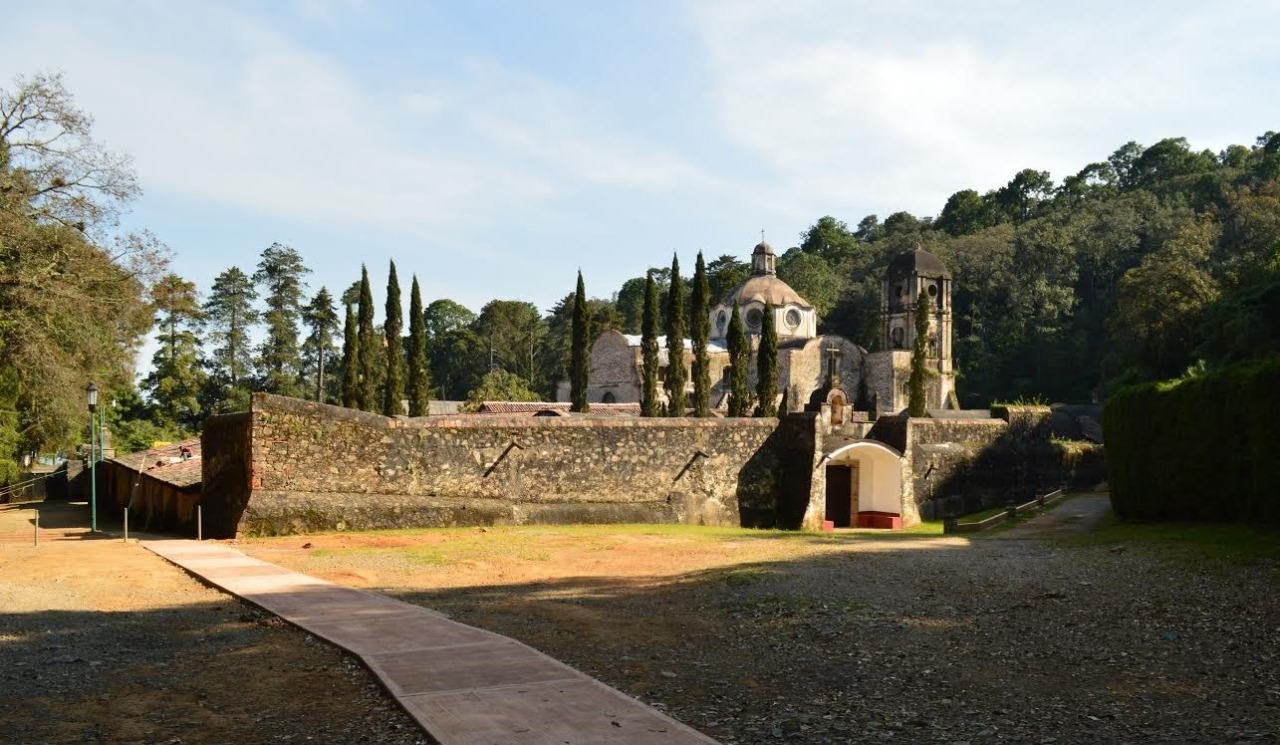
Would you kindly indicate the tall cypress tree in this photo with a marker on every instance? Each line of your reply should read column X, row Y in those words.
column 393, row 392
column 366, row 392
column 700, row 331
column 350, row 361
column 649, row 348
column 739, row 395
column 419, row 376
column 917, row 384
column 767, row 366
column 677, row 374
column 579, row 360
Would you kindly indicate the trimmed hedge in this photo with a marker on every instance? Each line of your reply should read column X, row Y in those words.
column 1205, row 448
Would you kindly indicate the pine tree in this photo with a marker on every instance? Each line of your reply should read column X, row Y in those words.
column 367, row 343
column 419, row 383
column 177, row 378
column 767, row 366
column 393, row 393
column 579, row 360
column 350, row 360
column 649, row 348
column 228, row 316
column 322, row 319
column 280, row 273
column 739, row 394
column 700, row 331
column 677, row 374
column 917, row 384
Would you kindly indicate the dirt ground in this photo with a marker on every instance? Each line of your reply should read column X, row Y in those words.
column 759, row 637
column 105, row 642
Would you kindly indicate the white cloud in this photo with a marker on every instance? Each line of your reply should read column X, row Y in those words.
column 228, row 110
column 891, row 106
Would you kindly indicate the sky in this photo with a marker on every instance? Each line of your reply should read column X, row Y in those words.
column 494, row 148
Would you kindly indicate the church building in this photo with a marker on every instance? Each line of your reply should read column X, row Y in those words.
column 811, row 366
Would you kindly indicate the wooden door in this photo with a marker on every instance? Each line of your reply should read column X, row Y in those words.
column 839, row 495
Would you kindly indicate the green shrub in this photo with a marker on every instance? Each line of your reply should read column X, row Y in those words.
column 1201, row 448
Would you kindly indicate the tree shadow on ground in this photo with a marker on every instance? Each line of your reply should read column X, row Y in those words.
column 927, row 639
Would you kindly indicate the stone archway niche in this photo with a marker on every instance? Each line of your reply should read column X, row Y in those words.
column 877, row 469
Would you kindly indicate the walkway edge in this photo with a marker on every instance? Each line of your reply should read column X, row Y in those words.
column 462, row 684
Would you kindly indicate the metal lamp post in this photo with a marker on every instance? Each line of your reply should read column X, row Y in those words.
column 92, row 393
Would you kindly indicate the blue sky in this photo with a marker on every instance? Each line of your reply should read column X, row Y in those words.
column 492, row 148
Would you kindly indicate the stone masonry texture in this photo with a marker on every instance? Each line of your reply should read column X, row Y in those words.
column 316, row 467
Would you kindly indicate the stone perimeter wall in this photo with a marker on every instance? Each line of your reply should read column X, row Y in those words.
column 965, row 466
column 316, row 467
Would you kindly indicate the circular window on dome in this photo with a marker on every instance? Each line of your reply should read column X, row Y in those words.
column 721, row 319
column 793, row 318
column 754, row 317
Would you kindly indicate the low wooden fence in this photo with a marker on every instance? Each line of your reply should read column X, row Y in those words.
column 953, row 525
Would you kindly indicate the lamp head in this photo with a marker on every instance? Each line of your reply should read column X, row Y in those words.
column 92, row 394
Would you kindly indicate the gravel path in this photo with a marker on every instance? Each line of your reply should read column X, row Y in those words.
column 105, row 642
column 943, row 640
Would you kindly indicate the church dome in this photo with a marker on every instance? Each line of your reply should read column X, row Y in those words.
column 766, row 289
column 762, row 248
column 918, row 262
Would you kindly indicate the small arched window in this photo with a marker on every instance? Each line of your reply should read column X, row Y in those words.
column 608, row 398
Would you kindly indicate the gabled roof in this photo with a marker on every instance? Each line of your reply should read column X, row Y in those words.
column 166, row 463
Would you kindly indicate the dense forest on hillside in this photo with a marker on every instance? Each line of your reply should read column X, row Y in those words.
column 1156, row 262
column 1152, row 263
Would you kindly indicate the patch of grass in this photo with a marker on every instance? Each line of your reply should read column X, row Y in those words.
column 466, row 549
column 1232, row 543
column 978, row 517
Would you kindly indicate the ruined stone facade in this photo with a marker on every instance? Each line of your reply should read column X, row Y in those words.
column 876, row 380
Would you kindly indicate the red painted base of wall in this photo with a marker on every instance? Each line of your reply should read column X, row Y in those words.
column 884, row 520
column 828, row 526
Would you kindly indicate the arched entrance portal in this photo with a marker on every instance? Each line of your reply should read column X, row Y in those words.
column 864, row 486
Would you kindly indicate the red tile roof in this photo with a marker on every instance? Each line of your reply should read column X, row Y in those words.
column 166, row 463
column 534, row 407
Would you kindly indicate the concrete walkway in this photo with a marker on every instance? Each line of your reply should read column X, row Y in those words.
column 463, row 684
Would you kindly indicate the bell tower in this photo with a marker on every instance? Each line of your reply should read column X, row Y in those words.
column 910, row 275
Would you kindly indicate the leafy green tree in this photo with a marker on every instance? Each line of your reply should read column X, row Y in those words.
column 515, row 332
column 918, row 382
column 739, row 354
column 649, row 404
column 444, row 315
column 1160, row 303
column 177, row 378
column 369, row 346
column 767, row 366
column 419, row 374
column 813, row 278
column 280, row 272
column 828, row 239
column 229, row 316
column 393, row 391
column 350, row 359
column 630, row 299
column 500, row 385
column 10, row 438
column 321, row 319
column 579, row 366
column 72, row 290
column 459, row 360
column 965, row 212
column 724, row 275
column 677, row 374
column 700, row 327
